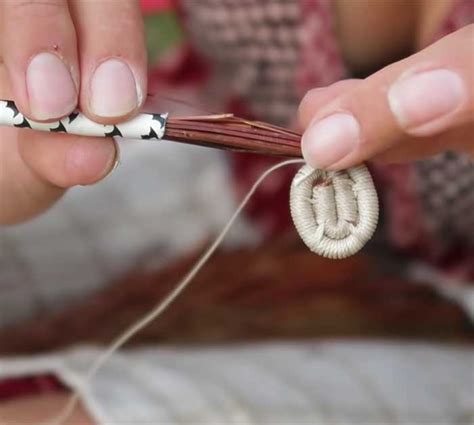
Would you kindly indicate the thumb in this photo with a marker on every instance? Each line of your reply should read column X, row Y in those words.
column 424, row 95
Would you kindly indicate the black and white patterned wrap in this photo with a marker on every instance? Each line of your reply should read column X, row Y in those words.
column 144, row 126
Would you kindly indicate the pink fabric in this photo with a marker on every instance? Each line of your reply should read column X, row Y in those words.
column 318, row 70
column 154, row 6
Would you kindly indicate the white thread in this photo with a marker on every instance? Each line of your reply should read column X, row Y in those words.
column 161, row 307
column 334, row 216
column 335, row 213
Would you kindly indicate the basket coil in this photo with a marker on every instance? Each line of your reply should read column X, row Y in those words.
column 335, row 213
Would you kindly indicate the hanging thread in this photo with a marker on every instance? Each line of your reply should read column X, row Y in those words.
column 335, row 214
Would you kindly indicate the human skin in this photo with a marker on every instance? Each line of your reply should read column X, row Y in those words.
column 36, row 169
column 59, row 39
column 55, row 56
column 32, row 410
column 409, row 109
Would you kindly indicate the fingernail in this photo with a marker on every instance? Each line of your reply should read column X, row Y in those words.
column 51, row 90
column 114, row 91
column 116, row 161
column 419, row 99
column 329, row 140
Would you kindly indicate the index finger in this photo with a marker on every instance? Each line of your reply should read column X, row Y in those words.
column 113, row 58
column 38, row 45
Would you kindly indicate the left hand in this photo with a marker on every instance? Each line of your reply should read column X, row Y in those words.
column 55, row 56
column 411, row 109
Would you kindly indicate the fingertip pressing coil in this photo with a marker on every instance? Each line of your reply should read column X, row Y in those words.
column 335, row 213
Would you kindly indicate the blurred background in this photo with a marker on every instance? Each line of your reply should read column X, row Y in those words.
column 382, row 337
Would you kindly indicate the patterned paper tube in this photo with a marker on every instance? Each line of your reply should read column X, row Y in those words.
column 144, row 126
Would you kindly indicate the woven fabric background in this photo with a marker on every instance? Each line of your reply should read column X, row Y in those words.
column 446, row 182
column 265, row 55
column 268, row 52
column 271, row 52
column 429, row 203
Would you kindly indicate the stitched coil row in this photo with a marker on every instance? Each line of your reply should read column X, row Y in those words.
column 335, row 213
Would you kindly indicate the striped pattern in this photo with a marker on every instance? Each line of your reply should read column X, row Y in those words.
column 312, row 383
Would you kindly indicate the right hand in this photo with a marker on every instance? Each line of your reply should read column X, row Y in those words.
column 56, row 56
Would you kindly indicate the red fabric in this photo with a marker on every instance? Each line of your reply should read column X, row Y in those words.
column 220, row 33
column 320, row 64
column 268, row 208
column 154, row 6
column 182, row 66
column 319, row 70
column 29, row 385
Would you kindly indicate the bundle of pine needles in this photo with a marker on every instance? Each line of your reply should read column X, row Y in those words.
column 226, row 131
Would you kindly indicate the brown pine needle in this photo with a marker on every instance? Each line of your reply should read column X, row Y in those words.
column 226, row 131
